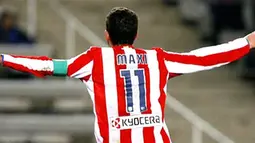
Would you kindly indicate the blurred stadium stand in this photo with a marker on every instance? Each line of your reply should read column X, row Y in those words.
column 170, row 2
column 202, row 12
column 37, row 110
column 35, row 107
column 219, row 21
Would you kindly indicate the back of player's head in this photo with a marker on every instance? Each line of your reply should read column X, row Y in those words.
column 122, row 26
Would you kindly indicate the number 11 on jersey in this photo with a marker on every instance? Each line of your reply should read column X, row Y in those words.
column 139, row 73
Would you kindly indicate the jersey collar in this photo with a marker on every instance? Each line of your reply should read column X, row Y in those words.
column 122, row 46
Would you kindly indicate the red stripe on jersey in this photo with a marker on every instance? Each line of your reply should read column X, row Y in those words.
column 208, row 60
column 80, row 62
column 125, row 135
column 148, row 132
column 164, row 136
column 25, row 69
column 172, row 75
column 99, row 96
column 162, row 98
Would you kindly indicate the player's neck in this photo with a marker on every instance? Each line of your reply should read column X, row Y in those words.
column 119, row 45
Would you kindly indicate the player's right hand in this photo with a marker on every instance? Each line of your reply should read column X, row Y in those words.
column 1, row 59
column 251, row 39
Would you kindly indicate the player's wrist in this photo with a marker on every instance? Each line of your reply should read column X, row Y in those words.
column 251, row 39
column 248, row 41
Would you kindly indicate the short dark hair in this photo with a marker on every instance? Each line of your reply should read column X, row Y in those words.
column 122, row 25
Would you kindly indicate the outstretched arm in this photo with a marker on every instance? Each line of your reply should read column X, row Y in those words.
column 77, row 67
column 208, row 57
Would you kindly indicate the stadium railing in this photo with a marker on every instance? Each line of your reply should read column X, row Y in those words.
column 199, row 126
column 32, row 17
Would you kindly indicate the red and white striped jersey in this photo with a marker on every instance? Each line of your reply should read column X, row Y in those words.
column 128, row 86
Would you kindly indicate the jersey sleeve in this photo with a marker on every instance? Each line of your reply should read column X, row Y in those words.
column 41, row 66
column 205, row 58
column 81, row 65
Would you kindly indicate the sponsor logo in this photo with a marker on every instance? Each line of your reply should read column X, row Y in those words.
column 129, row 122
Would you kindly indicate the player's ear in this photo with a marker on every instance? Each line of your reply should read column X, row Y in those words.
column 107, row 36
column 136, row 36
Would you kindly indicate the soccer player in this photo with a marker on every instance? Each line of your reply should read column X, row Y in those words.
column 128, row 85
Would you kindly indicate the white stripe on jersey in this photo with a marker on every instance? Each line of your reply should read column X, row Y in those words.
column 137, row 133
column 111, row 95
column 174, row 67
column 90, row 88
column 233, row 45
column 84, row 71
column 70, row 61
column 35, row 64
column 154, row 90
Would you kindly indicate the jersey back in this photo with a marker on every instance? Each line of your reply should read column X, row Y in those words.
column 128, row 90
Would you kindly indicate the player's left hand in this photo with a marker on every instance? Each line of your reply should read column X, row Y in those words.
column 251, row 39
column 1, row 59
